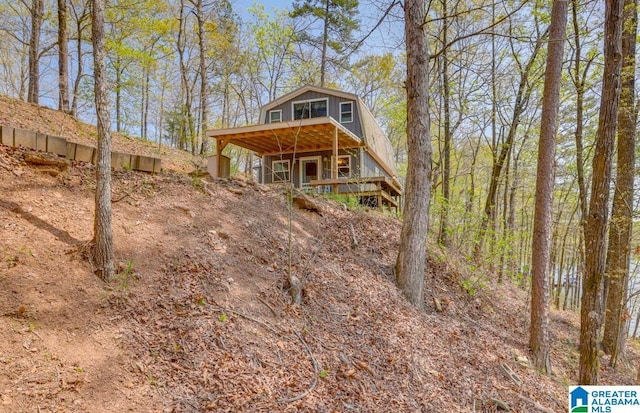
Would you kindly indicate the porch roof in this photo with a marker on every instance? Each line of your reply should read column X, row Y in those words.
column 305, row 135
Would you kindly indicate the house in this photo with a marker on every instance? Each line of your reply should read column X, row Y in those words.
column 321, row 140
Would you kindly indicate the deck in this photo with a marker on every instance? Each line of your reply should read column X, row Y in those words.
column 385, row 191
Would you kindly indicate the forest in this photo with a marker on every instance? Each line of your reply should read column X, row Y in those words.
column 505, row 84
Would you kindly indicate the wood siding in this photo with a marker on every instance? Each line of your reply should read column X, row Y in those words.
column 374, row 160
column 326, row 164
column 333, row 110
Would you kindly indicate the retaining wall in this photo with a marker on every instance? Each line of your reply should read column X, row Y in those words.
column 75, row 151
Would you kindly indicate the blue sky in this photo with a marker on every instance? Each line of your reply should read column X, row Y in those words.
column 241, row 6
column 387, row 38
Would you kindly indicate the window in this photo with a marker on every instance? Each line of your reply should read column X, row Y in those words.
column 275, row 116
column 346, row 112
column 344, row 166
column 310, row 109
column 280, row 171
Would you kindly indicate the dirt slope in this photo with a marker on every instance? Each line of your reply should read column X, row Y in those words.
column 199, row 318
column 19, row 114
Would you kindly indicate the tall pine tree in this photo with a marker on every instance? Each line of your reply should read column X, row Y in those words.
column 338, row 18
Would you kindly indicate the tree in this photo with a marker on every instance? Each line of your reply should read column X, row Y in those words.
column 81, row 19
column 411, row 261
column 501, row 152
column 273, row 40
column 619, row 249
column 374, row 79
column 443, row 234
column 338, row 24
column 579, row 79
column 204, row 86
column 63, row 57
column 187, row 131
column 102, row 253
column 596, row 221
column 542, row 221
column 37, row 12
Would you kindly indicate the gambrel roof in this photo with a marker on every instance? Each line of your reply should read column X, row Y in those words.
column 373, row 136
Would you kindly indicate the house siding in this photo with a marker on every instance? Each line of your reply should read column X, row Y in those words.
column 362, row 163
column 333, row 110
column 371, row 168
column 326, row 164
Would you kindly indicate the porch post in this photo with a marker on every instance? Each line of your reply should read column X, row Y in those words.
column 219, row 147
column 334, row 159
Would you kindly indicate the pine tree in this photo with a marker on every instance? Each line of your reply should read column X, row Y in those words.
column 339, row 21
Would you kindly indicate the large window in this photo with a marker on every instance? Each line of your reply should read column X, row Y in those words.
column 275, row 116
column 344, row 166
column 346, row 112
column 310, row 109
column 280, row 171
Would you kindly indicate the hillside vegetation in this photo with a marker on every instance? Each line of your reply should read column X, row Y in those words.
column 199, row 318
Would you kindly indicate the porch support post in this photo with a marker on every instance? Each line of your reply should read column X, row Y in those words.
column 334, row 159
column 220, row 144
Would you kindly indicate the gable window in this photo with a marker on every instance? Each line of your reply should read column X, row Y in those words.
column 346, row 112
column 344, row 166
column 310, row 109
column 280, row 171
column 275, row 116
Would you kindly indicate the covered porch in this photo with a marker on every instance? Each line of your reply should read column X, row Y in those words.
column 317, row 146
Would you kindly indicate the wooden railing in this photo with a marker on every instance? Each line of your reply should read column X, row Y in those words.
column 381, row 188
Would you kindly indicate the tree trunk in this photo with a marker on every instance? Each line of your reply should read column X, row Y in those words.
column 595, row 230
column 522, row 97
column 204, row 110
column 79, row 67
column 102, row 253
column 579, row 79
column 119, row 72
column 443, row 236
column 186, row 121
column 37, row 12
column 619, row 251
column 543, row 214
column 325, row 41
column 411, row 262
column 144, row 105
column 63, row 57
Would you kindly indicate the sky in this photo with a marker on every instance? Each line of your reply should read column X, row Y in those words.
column 388, row 37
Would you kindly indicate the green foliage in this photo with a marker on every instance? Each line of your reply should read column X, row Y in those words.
column 474, row 284
column 125, row 276
column 223, row 318
column 338, row 18
column 14, row 258
column 350, row 201
column 197, row 183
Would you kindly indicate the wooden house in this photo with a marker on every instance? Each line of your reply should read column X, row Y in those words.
column 321, row 140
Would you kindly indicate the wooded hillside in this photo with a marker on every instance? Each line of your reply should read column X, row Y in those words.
column 512, row 125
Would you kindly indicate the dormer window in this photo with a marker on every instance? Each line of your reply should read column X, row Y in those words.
column 275, row 116
column 346, row 112
column 315, row 108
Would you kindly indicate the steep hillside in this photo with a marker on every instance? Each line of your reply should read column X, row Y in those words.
column 199, row 318
column 19, row 114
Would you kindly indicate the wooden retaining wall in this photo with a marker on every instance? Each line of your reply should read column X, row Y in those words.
column 75, row 151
